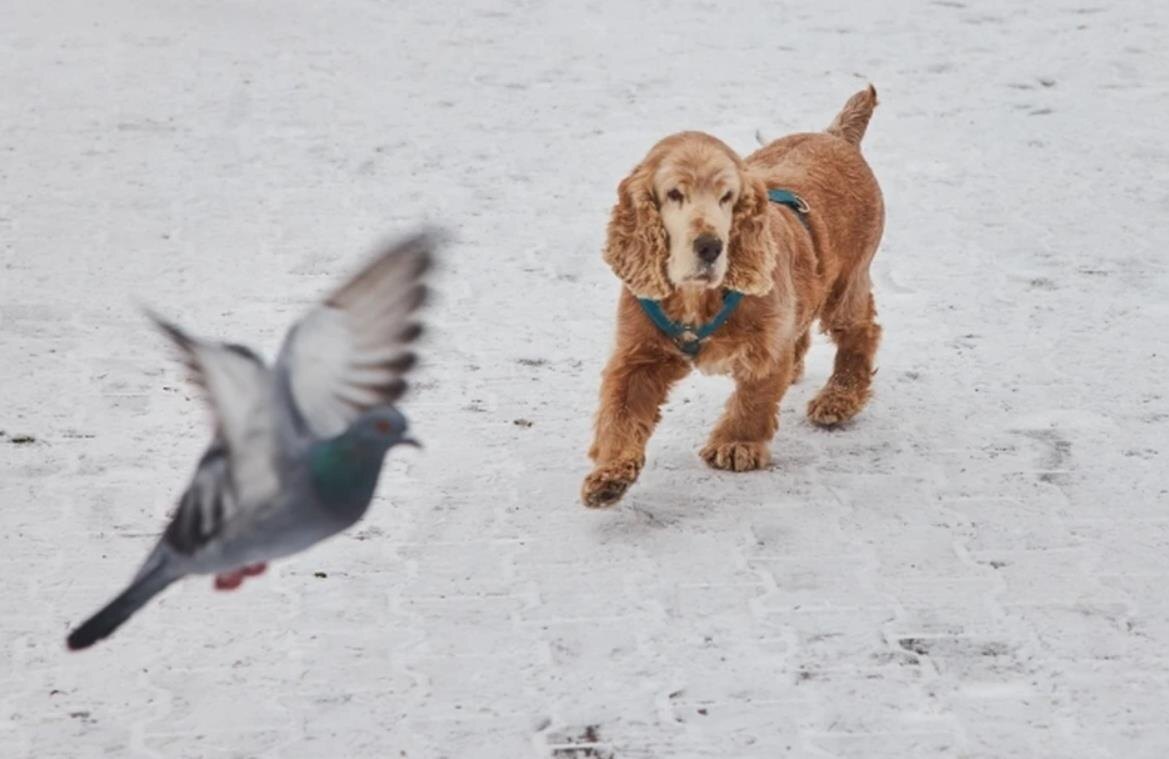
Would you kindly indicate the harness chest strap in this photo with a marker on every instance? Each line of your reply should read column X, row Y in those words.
column 689, row 338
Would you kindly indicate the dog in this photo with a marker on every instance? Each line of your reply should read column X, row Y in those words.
column 726, row 263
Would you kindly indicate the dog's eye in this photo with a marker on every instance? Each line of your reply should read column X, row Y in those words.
column 675, row 195
column 728, row 197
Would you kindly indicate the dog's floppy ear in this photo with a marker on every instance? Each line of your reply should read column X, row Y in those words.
column 752, row 251
column 636, row 246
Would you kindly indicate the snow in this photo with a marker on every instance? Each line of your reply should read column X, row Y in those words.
column 975, row 568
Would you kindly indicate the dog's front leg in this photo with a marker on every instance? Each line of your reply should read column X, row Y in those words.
column 632, row 391
column 740, row 440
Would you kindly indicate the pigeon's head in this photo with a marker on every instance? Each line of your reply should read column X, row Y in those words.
column 383, row 427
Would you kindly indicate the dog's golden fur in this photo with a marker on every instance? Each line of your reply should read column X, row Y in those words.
column 791, row 275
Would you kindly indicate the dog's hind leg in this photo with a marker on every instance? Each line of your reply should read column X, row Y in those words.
column 849, row 320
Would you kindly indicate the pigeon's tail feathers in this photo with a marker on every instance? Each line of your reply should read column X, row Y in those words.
column 145, row 587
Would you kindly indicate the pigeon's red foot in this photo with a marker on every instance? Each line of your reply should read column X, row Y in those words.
column 229, row 580
column 232, row 580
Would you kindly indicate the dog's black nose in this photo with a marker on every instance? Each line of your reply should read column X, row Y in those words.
column 708, row 248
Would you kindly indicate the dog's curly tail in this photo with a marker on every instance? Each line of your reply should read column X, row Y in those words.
column 853, row 119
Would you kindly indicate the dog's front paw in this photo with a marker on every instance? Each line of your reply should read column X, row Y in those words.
column 836, row 404
column 608, row 482
column 740, row 456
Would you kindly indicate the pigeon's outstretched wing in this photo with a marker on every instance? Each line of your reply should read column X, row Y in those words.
column 207, row 505
column 239, row 390
column 350, row 353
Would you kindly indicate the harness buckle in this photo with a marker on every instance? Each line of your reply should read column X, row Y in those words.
column 688, row 342
column 790, row 199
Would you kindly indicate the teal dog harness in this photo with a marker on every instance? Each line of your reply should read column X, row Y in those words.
column 689, row 338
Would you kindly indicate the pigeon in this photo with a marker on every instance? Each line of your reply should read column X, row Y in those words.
column 298, row 446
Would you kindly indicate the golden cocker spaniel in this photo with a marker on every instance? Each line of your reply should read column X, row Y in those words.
column 694, row 222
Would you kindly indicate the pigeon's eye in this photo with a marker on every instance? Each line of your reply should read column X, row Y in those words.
column 382, row 426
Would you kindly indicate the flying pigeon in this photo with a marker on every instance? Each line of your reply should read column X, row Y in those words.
column 298, row 446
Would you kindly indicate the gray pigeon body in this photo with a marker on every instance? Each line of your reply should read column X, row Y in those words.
column 298, row 446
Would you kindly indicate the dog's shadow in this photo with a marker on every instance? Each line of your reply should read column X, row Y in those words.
column 683, row 494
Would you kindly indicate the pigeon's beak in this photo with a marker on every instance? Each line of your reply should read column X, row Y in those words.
column 410, row 441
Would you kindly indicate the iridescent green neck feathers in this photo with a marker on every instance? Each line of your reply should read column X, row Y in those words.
column 345, row 469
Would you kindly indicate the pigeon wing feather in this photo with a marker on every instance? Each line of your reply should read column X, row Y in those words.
column 351, row 352
column 238, row 387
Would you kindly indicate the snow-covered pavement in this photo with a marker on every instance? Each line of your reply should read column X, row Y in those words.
column 978, row 567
